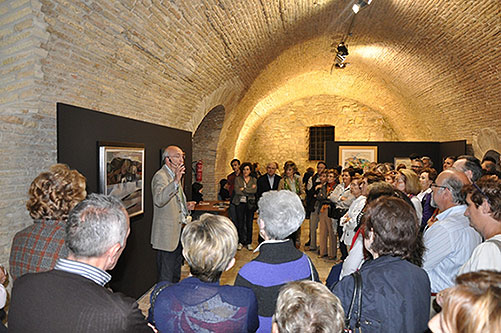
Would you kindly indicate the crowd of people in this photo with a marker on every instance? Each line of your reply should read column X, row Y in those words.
column 412, row 242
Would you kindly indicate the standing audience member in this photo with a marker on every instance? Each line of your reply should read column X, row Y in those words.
column 427, row 162
column 426, row 178
column 307, row 307
column 489, row 164
column 448, row 162
column 311, row 192
column 407, row 181
column 395, row 294
column 319, row 197
column 472, row 306
column 51, row 196
column 170, row 212
column 450, row 241
column 244, row 199
column 470, row 165
column 72, row 296
column 232, row 210
column 278, row 262
column 349, row 220
column 327, row 234
column 198, row 303
column 342, row 199
column 256, row 171
column 291, row 181
column 268, row 181
column 223, row 194
column 484, row 212
column 416, row 165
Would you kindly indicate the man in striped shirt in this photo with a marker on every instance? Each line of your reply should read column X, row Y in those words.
column 72, row 297
column 450, row 241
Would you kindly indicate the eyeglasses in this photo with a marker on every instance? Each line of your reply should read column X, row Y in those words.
column 481, row 192
column 438, row 186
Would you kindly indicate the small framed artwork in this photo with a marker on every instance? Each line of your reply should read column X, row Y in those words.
column 357, row 156
column 121, row 168
column 402, row 160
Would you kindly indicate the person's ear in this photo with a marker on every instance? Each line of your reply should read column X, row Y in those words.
column 113, row 254
column 484, row 208
column 230, row 264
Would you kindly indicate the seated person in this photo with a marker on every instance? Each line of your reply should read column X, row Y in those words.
column 280, row 214
column 198, row 303
column 473, row 305
column 196, row 192
column 395, row 292
column 307, row 306
column 51, row 196
column 223, row 194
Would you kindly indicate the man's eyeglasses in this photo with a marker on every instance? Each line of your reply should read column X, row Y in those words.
column 438, row 186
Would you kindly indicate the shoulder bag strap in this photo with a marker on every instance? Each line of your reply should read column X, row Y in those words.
column 357, row 295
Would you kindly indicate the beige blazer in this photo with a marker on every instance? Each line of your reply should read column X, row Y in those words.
column 168, row 217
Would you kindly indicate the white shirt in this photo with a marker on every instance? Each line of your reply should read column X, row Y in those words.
column 485, row 256
column 418, row 206
column 449, row 243
column 349, row 227
column 355, row 258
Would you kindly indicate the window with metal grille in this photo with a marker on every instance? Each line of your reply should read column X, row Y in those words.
column 318, row 136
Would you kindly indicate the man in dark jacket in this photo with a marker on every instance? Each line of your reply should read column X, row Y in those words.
column 268, row 181
column 72, row 296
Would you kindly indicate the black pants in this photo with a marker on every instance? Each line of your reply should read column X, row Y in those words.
column 245, row 217
column 169, row 264
column 342, row 245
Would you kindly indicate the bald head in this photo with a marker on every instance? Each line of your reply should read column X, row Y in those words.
column 447, row 192
column 173, row 156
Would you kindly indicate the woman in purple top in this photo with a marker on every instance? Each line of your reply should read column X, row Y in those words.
column 199, row 303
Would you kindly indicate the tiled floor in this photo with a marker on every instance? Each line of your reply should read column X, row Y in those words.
column 244, row 256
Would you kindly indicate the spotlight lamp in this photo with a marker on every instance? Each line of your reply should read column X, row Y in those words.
column 360, row 5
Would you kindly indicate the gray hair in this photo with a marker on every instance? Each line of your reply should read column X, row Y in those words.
column 281, row 212
column 426, row 158
column 95, row 225
column 472, row 164
column 165, row 154
column 454, row 184
column 308, row 306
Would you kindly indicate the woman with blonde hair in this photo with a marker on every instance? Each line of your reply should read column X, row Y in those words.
column 473, row 305
column 407, row 181
column 198, row 303
column 291, row 181
column 51, row 196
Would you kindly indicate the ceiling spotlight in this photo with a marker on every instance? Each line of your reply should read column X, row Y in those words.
column 342, row 52
column 360, row 5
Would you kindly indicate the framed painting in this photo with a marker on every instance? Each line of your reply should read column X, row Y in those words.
column 357, row 156
column 121, row 168
column 402, row 160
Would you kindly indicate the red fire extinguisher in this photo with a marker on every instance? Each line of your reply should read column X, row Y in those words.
column 199, row 168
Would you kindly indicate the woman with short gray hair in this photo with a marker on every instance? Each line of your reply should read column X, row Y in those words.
column 278, row 262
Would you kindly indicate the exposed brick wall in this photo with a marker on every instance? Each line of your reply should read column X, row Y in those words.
column 283, row 135
column 205, row 143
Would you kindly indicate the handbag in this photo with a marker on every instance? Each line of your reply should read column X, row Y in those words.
column 357, row 296
column 153, row 298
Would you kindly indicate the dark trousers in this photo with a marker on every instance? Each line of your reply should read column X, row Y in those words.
column 245, row 217
column 169, row 264
column 342, row 245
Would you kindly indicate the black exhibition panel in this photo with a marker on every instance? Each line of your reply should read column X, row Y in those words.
column 78, row 132
column 387, row 150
